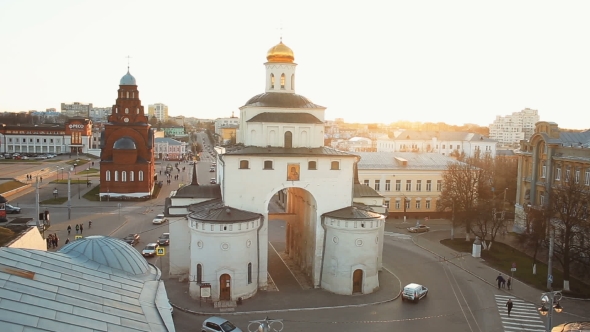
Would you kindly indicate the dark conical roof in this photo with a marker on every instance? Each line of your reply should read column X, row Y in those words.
column 194, row 182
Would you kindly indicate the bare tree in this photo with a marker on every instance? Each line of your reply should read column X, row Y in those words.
column 487, row 221
column 569, row 201
column 535, row 232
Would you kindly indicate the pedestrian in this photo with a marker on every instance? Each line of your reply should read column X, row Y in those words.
column 48, row 241
column 77, row 228
column 69, row 229
column 509, row 283
column 41, row 179
column 55, row 240
column 509, row 305
column 67, row 240
column 90, row 224
column 500, row 280
column 81, row 228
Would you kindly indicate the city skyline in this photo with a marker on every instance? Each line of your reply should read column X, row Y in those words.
column 455, row 62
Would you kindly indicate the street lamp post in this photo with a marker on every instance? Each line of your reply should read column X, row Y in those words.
column 551, row 299
column 62, row 173
column 69, row 195
column 78, row 188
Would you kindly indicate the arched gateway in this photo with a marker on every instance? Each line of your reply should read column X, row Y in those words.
column 285, row 163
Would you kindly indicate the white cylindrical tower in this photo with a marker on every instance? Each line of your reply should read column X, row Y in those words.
column 280, row 69
column 224, row 246
column 351, row 251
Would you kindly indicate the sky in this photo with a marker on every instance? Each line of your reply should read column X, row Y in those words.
column 366, row 61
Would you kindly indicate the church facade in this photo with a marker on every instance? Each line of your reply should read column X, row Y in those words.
column 281, row 153
column 127, row 143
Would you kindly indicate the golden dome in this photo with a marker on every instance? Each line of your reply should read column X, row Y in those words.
column 280, row 53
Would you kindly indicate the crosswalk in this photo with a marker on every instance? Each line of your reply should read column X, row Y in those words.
column 400, row 236
column 523, row 317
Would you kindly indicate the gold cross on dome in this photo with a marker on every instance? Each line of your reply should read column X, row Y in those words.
column 128, row 57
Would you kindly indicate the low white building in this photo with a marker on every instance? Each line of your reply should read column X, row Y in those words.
column 166, row 148
column 446, row 143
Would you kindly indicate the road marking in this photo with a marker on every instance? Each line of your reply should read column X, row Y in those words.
column 398, row 235
column 524, row 316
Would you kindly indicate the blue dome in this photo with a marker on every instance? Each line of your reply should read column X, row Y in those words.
column 124, row 143
column 128, row 79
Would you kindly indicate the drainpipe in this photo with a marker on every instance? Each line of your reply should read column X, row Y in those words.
column 258, row 255
column 323, row 250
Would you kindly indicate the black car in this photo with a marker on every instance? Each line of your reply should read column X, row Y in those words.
column 12, row 209
column 164, row 239
column 132, row 239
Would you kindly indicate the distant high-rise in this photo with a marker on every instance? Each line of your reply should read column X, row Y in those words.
column 159, row 110
column 511, row 129
column 76, row 109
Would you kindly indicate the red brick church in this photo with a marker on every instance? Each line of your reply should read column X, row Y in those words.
column 127, row 143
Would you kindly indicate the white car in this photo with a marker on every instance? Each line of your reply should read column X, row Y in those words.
column 159, row 219
column 414, row 292
column 218, row 324
column 150, row 250
column 419, row 229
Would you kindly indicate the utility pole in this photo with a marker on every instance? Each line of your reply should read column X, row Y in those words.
column 550, row 259
column 37, row 204
column 69, row 197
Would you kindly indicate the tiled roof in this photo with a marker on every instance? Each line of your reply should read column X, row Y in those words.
column 285, row 118
column 280, row 100
column 80, row 289
column 352, row 212
column 199, row 191
column 216, row 210
column 394, row 160
column 442, row 136
column 278, row 151
column 361, row 190
column 575, row 139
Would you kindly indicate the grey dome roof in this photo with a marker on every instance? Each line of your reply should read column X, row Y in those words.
column 124, row 143
column 128, row 79
column 282, row 100
column 107, row 251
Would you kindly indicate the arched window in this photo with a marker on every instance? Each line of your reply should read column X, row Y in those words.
column 244, row 164
column 335, row 165
column 108, row 175
column 249, row 273
column 124, row 176
column 138, row 110
column 116, row 176
column 127, row 94
column 272, row 81
column 126, row 111
column 132, row 94
column 131, row 176
column 292, row 81
column 116, row 110
column 199, row 273
column 282, row 81
column 288, row 139
column 140, row 175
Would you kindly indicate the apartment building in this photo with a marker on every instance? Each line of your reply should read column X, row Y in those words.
column 159, row 110
column 511, row 129
column 76, row 109
column 549, row 157
column 411, row 182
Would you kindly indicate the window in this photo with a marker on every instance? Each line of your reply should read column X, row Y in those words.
column 140, row 176
column 312, row 165
column 418, row 185
column 428, row 185
column 443, row 146
column 292, row 81
column 244, row 164
column 387, row 204
column 568, row 175
column 131, row 176
column 587, row 177
column 127, row 110
column 51, row 140
column 108, row 175
column 398, row 185
column 558, row 174
column 44, row 140
column 199, row 273
column 542, row 197
column 387, row 185
column 407, row 204
column 123, row 176
column 544, row 172
column 427, row 205
column 282, row 81
column 268, row 164
column 272, row 81
column 397, row 205
column 249, row 273
column 335, row 165
column 577, row 176
column 366, row 182
column 116, row 176
column 408, row 185
column 377, row 185
column 288, row 139
column 418, row 205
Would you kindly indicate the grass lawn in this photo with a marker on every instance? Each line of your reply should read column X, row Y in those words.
column 89, row 171
column 56, row 201
column 501, row 257
column 10, row 185
column 79, row 162
column 72, row 181
column 92, row 194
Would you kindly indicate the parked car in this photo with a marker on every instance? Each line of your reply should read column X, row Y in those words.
column 414, row 292
column 159, row 219
column 12, row 209
column 132, row 239
column 211, row 169
column 216, row 324
column 419, row 229
column 164, row 239
column 150, row 250
column 213, row 181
